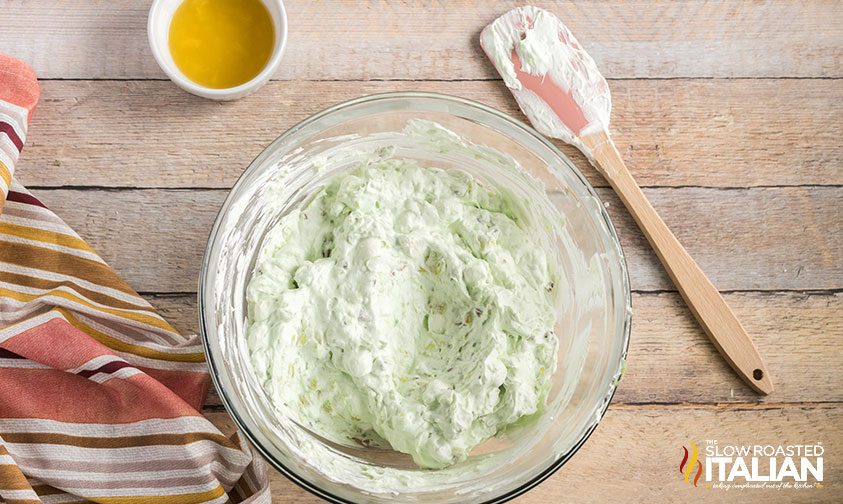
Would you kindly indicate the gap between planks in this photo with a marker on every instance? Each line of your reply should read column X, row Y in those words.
column 712, row 406
column 642, row 292
column 398, row 79
column 602, row 186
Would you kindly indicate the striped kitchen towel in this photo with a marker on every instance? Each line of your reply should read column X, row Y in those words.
column 100, row 398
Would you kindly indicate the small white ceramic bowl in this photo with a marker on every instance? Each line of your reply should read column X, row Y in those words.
column 158, row 30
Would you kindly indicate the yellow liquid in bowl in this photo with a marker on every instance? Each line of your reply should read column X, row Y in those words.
column 221, row 43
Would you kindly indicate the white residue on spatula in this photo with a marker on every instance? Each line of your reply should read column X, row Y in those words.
column 543, row 47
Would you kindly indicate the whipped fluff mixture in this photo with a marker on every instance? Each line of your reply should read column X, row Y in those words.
column 405, row 307
column 546, row 48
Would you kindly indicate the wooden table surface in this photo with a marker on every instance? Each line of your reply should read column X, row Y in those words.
column 730, row 115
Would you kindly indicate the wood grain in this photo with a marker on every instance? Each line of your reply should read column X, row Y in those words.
column 634, row 455
column 672, row 361
column 671, row 133
column 768, row 238
column 382, row 39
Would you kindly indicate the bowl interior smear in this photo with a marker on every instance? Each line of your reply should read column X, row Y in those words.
column 406, row 312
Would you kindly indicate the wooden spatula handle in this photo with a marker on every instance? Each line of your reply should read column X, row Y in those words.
column 705, row 302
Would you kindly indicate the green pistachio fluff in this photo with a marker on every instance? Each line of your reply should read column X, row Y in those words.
column 405, row 307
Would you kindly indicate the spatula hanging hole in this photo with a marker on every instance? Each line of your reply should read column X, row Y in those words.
column 758, row 374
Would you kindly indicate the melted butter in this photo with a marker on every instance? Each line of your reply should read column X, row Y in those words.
column 221, row 43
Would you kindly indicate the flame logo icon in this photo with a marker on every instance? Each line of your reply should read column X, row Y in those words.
column 686, row 467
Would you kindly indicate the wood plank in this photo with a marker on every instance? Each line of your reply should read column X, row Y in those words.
column 671, row 360
column 746, row 239
column 634, row 454
column 438, row 40
column 671, row 133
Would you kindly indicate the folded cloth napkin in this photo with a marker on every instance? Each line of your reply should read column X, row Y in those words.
column 100, row 398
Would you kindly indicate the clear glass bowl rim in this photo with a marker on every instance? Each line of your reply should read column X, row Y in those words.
column 464, row 102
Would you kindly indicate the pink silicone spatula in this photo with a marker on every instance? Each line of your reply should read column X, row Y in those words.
column 559, row 88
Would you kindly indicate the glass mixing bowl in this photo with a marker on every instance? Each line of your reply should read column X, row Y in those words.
column 594, row 302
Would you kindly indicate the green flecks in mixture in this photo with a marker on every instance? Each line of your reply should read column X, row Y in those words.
column 405, row 306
